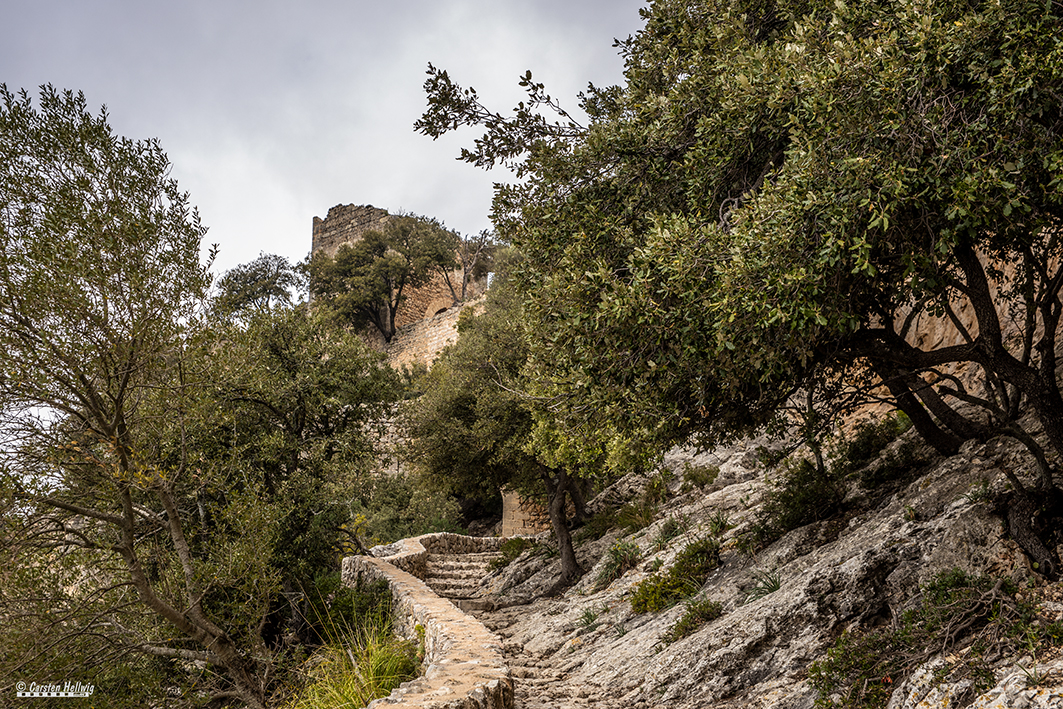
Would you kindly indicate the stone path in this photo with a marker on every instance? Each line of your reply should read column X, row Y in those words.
column 458, row 577
column 539, row 682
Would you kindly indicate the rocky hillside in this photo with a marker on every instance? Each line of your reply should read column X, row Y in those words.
column 912, row 576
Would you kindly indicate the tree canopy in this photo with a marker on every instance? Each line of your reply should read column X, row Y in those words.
column 258, row 286
column 365, row 281
column 472, row 429
column 168, row 482
column 779, row 192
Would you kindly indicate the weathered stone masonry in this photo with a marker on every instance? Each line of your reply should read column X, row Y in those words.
column 427, row 317
column 464, row 664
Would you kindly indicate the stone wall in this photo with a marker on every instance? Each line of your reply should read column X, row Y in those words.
column 426, row 320
column 421, row 342
column 521, row 516
column 345, row 223
column 464, row 667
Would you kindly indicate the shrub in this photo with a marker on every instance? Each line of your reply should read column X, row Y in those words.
column 656, row 490
column 621, row 557
column 866, row 442
column 698, row 476
column 589, row 618
column 895, row 465
column 719, row 523
column 596, row 526
column 635, row 516
column 800, row 496
column 332, row 608
column 670, row 529
column 699, row 612
column 510, row 549
column 954, row 612
column 684, row 578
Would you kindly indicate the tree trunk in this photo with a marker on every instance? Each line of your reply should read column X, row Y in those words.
column 942, row 441
column 557, row 488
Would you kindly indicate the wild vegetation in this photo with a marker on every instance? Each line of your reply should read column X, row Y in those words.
column 743, row 236
column 771, row 202
column 180, row 471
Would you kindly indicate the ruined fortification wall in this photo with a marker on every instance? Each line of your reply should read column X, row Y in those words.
column 427, row 318
column 420, row 342
column 345, row 223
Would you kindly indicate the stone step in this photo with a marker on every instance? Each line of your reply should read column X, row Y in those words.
column 454, row 571
column 465, row 590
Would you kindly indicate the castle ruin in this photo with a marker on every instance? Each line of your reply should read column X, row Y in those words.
column 427, row 318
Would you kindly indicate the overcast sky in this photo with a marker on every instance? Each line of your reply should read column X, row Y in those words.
column 271, row 112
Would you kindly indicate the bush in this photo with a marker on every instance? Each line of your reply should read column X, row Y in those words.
column 596, row 526
column 699, row 612
column 635, row 516
column 895, row 465
column 684, row 578
column 510, row 549
column 698, row 476
column 620, row 558
column 968, row 619
column 866, row 442
column 800, row 496
column 670, row 529
column 332, row 608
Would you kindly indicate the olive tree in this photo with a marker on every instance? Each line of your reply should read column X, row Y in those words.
column 166, row 481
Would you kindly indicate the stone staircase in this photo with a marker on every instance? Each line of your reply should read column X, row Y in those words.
column 458, row 577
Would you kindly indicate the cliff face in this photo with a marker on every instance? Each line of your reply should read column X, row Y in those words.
column 853, row 573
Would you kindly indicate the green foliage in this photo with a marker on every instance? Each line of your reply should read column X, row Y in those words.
column 364, row 282
column 258, row 286
column 861, row 451
column 637, row 515
column 510, row 549
column 596, row 526
column 801, row 495
column 642, row 512
column 866, row 443
column 683, row 578
column 467, row 432
column 360, row 664
column 392, row 507
column 620, row 558
column 719, row 523
column 656, row 490
column 779, row 203
column 699, row 611
column 764, row 583
column 698, row 476
column 190, row 458
column 973, row 619
column 588, row 619
column 979, row 492
column 670, row 529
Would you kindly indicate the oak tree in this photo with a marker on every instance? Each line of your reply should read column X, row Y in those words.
column 780, row 192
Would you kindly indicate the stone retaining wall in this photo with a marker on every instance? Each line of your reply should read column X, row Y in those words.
column 463, row 660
